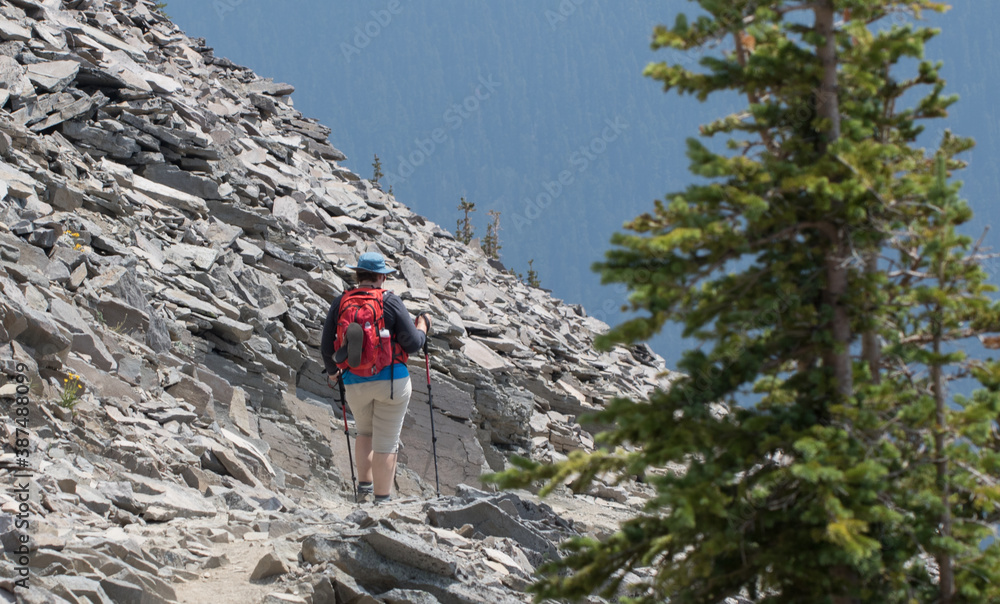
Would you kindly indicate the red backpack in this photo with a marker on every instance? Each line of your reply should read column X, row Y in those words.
column 366, row 307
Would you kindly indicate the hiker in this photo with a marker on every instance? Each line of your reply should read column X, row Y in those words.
column 367, row 339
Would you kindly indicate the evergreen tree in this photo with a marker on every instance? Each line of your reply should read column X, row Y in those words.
column 491, row 242
column 533, row 275
column 377, row 173
column 852, row 461
column 464, row 231
column 941, row 298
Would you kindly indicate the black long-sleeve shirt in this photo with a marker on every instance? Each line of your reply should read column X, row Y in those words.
column 397, row 321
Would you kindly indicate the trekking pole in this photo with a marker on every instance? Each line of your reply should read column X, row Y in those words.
column 430, row 404
column 347, row 434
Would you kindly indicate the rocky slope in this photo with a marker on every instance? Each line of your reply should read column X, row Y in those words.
column 171, row 233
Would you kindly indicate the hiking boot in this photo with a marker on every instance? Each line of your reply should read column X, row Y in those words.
column 366, row 492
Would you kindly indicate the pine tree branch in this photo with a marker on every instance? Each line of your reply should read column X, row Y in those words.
column 929, row 338
column 742, row 57
column 784, row 10
column 824, row 227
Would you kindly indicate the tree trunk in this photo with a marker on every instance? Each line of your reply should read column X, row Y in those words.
column 871, row 350
column 827, row 102
column 838, row 359
column 828, row 108
column 946, row 580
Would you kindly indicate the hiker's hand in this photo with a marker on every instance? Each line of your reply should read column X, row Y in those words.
column 331, row 379
column 425, row 320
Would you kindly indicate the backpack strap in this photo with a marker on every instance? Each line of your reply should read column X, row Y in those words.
column 392, row 353
column 392, row 364
column 380, row 296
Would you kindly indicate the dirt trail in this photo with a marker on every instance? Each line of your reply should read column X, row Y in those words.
column 230, row 583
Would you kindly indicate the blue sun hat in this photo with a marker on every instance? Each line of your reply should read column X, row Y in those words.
column 373, row 262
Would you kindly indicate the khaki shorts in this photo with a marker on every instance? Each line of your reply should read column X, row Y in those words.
column 375, row 414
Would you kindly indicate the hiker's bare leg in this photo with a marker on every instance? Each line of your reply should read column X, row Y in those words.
column 363, row 453
column 383, row 468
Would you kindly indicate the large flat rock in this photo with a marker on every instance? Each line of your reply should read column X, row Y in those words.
column 484, row 356
column 489, row 519
column 11, row 30
column 170, row 196
column 460, row 456
column 182, row 180
column 53, row 76
column 178, row 502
